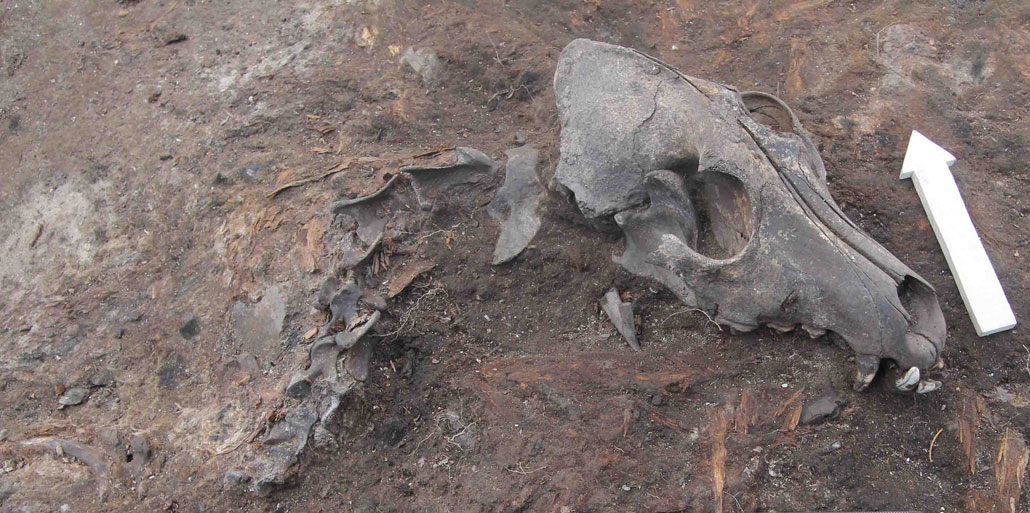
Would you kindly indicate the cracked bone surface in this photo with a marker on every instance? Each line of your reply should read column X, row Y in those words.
column 722, row 197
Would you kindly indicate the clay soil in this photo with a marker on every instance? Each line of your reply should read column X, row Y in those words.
column 141, row 260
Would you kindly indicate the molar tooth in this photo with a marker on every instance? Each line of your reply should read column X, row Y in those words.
column 781, row 328
column 812, row 331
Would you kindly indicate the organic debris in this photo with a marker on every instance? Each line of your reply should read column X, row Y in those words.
column 968, row 422
column 405, row 276
column 1009, row 469
column 720, row 422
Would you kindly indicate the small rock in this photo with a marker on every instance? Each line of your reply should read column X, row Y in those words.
column 254, row 172
column 425, row 62
column 190, row 329
column 821, row 407
column 132, row 316
column 102, row 378
column 249, row 365
column 72, row 397
column 657, row 400
column 139, row 449
column 833, row 447
column 236, row 479
column 3, row 435
column 111, row 437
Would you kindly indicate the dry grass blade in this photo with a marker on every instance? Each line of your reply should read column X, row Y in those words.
column 935, row 435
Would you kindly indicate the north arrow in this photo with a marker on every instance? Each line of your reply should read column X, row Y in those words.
column 928, row 165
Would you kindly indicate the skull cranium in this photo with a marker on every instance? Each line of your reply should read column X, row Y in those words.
column 722, row 197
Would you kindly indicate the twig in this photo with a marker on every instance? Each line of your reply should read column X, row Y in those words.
column 304, row 181
column 938, row 433
column 497, row 55
column 450, row 439
column 878, row 40
column 1027, row 364
column 691, row 310
column 39, row 231
column 739, row 507
column 419, row 444
column 522, row 470
column 157, row 20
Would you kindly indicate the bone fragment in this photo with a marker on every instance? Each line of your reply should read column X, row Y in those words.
column 517, row 203
column 621, row 315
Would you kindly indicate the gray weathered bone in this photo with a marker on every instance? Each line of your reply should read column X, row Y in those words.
column 621, row 315
column 286, row 441
column 722, row 197
column 470, row 169
column 516, row 204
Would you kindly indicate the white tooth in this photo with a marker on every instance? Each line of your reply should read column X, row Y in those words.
column 909, row 380
column 927, row 385
column 781, row 328
column 866, row 367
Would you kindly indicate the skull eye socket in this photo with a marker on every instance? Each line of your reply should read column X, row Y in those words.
column 723, row 209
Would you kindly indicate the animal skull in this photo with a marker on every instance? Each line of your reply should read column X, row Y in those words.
column 722, row 197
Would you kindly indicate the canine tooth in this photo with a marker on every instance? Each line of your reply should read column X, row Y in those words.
column 909, row 380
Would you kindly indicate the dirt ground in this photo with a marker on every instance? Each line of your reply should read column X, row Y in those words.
column 141, row 261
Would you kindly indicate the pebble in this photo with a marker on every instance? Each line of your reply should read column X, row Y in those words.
column 833, row 447
column 821, row 407
column 139, row 448
column 72, row 397
column 235, row 478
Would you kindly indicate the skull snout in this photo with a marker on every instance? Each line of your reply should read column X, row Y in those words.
column 927, row 330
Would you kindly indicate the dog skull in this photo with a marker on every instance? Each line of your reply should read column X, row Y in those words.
column 722, row 197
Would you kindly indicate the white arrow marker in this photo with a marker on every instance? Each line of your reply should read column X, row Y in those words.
column 929, row 167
